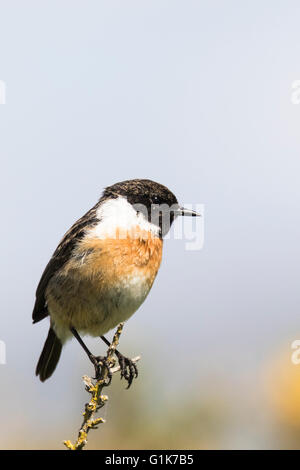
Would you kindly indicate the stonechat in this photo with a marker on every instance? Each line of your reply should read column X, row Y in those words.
column 103, row 268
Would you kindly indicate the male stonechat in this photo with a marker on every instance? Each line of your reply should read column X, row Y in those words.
column 103, row 269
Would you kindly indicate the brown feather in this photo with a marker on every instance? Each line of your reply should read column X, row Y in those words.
column 59, row 258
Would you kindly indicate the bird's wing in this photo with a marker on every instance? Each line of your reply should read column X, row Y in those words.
column 59, row 258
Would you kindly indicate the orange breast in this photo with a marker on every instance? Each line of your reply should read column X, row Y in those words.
column 104, row 282
column 107, row 261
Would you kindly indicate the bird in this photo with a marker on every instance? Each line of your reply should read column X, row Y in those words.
column 103, row 269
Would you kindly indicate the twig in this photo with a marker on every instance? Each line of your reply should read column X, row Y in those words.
column 95, row 389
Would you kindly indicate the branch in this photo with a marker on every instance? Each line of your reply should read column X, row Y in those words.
column 95, row 389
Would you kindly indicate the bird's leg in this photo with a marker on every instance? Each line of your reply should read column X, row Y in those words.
column 128, row 368
column 97, row 361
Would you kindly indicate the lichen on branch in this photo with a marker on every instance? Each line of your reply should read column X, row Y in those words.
column 97, row 400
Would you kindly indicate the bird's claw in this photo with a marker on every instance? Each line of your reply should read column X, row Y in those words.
column 128, row 368
column 99, row 362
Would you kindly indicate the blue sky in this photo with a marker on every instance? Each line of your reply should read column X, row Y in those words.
column 195, row 95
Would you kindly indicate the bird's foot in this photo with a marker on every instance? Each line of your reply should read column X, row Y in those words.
column 128, row 368
column 99, row 362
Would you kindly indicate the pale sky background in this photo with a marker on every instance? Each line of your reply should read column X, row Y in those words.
column 195, row 95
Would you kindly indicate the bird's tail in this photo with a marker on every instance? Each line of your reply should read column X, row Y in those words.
column 49, row 357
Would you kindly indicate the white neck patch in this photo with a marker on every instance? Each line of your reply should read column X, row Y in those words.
column 117, row 218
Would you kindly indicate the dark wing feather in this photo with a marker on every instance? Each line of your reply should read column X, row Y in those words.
column 59, row 258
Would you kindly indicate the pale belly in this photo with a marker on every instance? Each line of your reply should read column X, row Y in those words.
column 94, row 311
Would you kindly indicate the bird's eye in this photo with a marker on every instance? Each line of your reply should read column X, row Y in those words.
column 155, row 199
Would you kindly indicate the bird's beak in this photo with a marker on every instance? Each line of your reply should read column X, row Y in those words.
column 188, row 212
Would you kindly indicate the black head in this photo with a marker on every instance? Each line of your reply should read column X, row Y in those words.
column 140, row 191
column 158, row 204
